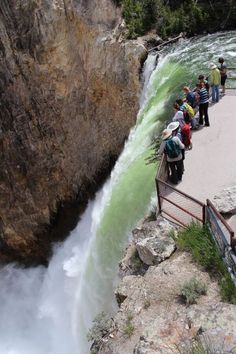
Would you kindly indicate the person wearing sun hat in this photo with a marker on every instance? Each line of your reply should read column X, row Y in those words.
column 215, row 80
column 171, row 146
column 174, row 127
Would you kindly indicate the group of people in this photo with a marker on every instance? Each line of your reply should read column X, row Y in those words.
column 176, row 138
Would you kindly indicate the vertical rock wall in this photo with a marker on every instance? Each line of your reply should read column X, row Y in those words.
column 68, row 97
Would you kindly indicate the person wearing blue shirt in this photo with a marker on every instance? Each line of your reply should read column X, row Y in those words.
column 203, row 104
column 189, row 95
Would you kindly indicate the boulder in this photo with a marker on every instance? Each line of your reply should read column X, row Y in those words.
column 153, row 241
column 225, row 201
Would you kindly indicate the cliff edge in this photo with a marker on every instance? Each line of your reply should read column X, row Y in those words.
column 69, row 94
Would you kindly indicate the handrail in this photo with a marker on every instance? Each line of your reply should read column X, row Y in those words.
column 209, row 203
column 202, row 205
column 231, row 77
column 183, row 193
column 179, row 207
column 159, row 167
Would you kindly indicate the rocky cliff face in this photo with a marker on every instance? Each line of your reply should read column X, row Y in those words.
column 152, row 316
column 69, row 94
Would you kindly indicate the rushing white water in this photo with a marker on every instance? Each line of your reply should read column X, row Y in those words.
column 48, row 311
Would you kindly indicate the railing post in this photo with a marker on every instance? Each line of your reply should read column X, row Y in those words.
column 158, row 195
column 232, row 240
column 204, row 214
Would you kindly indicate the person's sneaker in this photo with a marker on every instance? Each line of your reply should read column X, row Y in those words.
column 207, row 125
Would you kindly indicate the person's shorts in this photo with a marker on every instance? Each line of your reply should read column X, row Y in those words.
column 223, row 79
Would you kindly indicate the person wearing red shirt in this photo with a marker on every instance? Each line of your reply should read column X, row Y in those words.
column 186, row 133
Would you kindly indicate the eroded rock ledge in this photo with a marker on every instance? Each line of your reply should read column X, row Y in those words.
column 69, row 91
column 152, row 319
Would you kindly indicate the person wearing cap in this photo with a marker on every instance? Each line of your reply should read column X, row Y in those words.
column 176, row 164
column 223, row 71
column 215, row 80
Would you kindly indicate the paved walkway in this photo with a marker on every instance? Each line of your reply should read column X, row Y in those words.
column 211, row 165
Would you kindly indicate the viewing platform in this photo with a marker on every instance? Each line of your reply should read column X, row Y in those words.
column 210, row 167
column 211, row 164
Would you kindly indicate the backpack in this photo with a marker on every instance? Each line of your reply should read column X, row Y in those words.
column 189, row 110
column 172, row 148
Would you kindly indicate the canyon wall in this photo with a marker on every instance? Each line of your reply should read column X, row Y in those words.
column 69, row 89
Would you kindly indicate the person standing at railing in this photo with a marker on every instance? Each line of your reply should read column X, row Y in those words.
column 215, row 80
column 223, row 73
column 179, row 115
column 203, row 104
column 203, row 80
column 189, row 96
column 172, row 146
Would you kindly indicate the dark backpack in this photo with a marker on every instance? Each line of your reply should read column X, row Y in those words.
column 172, row 148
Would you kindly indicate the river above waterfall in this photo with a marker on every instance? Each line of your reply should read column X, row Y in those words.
column 49, row 310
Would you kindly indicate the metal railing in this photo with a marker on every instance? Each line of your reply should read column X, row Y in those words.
column 231, row 76
column 174, row 204
column 223, row 236
column 182, row 209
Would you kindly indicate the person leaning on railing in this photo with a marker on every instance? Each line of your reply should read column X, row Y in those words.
column 175, row 164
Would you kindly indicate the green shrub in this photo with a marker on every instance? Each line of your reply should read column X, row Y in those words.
column 172, row 17
column 192, row 290
column 198, row 240
column 139, row 16
column 130, row 317
column 128, row 329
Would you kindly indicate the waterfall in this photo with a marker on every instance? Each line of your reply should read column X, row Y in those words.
column 49, row 310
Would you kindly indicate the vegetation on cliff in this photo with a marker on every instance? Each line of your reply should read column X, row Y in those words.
column 170, row 17
column 198, row 240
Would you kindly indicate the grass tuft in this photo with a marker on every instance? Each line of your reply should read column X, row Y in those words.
column 192, row 290
column 128, row 329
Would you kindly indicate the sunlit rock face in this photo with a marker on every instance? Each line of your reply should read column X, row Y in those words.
column 69, row 94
